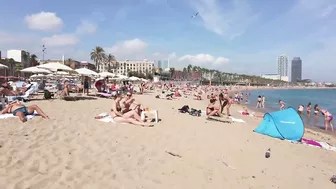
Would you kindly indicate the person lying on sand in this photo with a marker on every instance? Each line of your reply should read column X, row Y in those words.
column 246, row 112
column 129, row 100
column 212, row 109
column 131, row 116
column 21, row 111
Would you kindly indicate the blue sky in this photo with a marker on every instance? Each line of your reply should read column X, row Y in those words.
column 240, row 36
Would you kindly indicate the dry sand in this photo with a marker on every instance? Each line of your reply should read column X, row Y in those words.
column 73, row 150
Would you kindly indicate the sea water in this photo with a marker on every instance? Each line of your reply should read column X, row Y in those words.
column 325, row 98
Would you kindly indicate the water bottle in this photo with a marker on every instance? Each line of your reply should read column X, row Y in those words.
column 268, row 153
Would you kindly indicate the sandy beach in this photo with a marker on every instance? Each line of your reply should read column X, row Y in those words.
column 73, row 150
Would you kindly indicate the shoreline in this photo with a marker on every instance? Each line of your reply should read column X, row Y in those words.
column 308, row 127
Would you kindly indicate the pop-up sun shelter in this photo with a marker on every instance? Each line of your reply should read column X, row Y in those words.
column 285, row 124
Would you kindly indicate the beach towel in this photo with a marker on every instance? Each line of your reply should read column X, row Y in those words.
column 237, row 120
column 6, row 116
column 106, row 118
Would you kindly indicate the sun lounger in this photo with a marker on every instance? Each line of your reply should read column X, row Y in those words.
column 33, row 89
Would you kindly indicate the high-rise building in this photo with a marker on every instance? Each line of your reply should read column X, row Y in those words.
column 296, row 70
column 283, row 66
column 163, row 64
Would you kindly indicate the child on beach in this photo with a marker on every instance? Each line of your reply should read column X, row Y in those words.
column 282, row 105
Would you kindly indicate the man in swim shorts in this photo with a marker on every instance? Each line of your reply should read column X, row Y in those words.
column 21, row 111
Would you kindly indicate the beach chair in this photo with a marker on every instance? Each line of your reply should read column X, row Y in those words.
column 30, row 90
column 99, row 92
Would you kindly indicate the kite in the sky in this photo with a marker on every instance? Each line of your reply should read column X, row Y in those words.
column 194, row 15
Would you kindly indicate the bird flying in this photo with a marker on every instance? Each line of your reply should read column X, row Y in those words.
column 193, row 16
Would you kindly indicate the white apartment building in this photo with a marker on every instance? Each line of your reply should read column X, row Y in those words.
column 144, row 66
column 274, row 77
column 282, row 63
column 19, row 56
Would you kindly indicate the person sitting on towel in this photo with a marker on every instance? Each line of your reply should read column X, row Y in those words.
column 21, row 111
column 212, row 109
column 131, row 116
column 129, row 100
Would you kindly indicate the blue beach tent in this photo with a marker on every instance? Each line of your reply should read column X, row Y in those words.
column 285, row 124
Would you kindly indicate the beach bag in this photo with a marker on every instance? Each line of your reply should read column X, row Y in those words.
column 47, row 94
column 184, row 109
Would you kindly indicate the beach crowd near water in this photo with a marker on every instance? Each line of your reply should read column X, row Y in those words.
column 156, row 135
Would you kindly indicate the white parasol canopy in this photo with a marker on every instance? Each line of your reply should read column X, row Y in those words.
column 3, row 66
column 61, row 73
column 106, row 74
column 35, row 70
column 37, row 75
column 85, row 72
column 54, row 66
column 133, row 78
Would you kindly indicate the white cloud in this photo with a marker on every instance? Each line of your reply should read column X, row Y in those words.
column 229, row 22
column 203, row 60
column 60, row 40
column 86, row 27
column 44, row 21
column 127, row 48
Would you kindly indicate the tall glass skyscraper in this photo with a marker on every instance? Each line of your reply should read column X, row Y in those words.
column 283, row 65
column 296, row 69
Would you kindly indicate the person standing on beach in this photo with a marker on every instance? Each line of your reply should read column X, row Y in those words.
column 316, row 110
column 328, row 117
column 263, row 99
column 259, row 102
column 282, row 105
column 309, row 109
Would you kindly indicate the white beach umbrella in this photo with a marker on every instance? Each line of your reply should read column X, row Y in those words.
column 85, row 72
column 121, row 77
column 144, row 80
column 54, row 66
column 37, row 75
column 133, row 78
column 106, row 74
column 61, row 73
column 35, row 70
column 3, row 66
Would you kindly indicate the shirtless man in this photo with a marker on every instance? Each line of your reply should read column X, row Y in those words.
column 129, row 100
column 21, row 111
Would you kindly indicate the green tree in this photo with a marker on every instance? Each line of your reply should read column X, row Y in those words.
column 97, row 55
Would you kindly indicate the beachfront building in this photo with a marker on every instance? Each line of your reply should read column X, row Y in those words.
column 282, row 63
column 19, row 56
column 162, row 65
column 88, row 65
column 275, row 77
column 296, row 71
column 142, row 66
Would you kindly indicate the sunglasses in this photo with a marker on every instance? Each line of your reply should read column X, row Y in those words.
column 128, row 95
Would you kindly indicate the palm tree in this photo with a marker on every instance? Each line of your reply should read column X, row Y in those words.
column 33, row 60
column 171, row 71
column 111, row 61
column 25, row 57
column 97, row 55
column 18, row 67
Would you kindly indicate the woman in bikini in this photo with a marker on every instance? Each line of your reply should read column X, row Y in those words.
column 316, row 110
column 259, row 102
column 309, row 109
column 118, row 117
column 328, row 117
column 21, row 111
column 129, row 100
column 212, row 109
column 282, row 105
